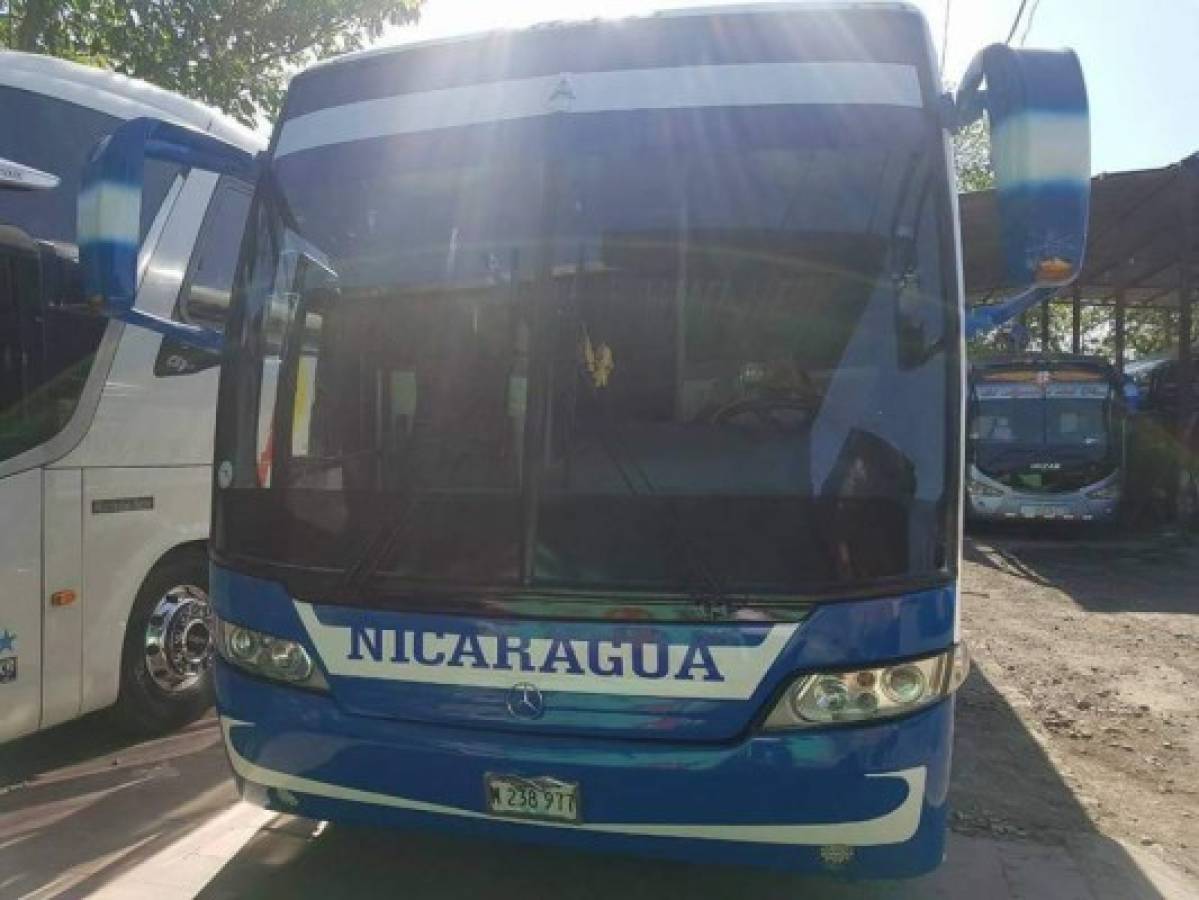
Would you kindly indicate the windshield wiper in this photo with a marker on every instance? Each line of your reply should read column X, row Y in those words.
column 716, row 591
column 690, row 551
column 383, row 543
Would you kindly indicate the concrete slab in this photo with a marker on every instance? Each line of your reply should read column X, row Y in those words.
column 184, row 868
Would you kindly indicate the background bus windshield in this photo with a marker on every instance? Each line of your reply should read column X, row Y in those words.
column 1055, row 418
column 1058, row 436
column 647, row 357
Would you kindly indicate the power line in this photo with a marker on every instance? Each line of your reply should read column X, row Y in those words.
column 1016, row 21
column 945, row 36
column 1032, row 14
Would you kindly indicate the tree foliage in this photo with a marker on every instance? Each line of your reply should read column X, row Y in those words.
column 972, row 157
column 1148, row 331
column 233, row 54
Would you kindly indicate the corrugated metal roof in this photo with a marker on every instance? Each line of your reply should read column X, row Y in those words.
column 1134, row 239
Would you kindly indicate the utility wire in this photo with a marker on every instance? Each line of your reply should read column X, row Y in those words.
column 1032, row 14
column 1016, row 21
column 945, row 36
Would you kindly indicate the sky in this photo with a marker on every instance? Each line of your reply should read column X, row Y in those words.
column 1138, row 55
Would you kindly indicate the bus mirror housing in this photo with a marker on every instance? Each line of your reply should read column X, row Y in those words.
column 1036, row 104
column 109, row 214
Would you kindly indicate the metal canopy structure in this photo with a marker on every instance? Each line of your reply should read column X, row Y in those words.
column 1135, row 245
column 1142, row 252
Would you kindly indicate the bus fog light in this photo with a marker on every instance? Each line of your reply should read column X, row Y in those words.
column 267, row 656
column 872, row 693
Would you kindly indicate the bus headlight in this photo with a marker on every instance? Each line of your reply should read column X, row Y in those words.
column 823, row 698
column 982, row 489
column 1107, row 492
column 267, row 656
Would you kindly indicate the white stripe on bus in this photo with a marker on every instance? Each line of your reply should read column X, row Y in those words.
column 893, row 827
column 683, row 87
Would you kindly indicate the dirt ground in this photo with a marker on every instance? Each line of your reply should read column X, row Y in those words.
column 1094, row 645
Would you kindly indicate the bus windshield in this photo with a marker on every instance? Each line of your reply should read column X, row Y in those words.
column 1061, row 415
column 653, row 358
column 1060, row 436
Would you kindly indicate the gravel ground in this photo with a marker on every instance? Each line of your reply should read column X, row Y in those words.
column 1094, row 646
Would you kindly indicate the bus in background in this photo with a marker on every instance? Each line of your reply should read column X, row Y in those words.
column 1047, row 438
column 588, row 453
column 105, row 430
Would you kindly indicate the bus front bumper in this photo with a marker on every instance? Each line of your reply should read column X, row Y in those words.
column 851, row 801
column 1015, row 507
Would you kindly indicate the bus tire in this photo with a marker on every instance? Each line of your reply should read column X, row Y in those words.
column 166, row 660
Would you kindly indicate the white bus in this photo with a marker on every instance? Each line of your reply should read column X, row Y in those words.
column 105, row 431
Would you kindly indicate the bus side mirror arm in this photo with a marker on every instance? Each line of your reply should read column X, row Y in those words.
column 971, row 98
column 982, row 319
column 110, row 197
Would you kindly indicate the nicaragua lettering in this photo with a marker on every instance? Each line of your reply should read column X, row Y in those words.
column 641, row 659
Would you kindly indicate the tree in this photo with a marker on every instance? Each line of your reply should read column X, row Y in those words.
column 233, row 54
column 972, row 157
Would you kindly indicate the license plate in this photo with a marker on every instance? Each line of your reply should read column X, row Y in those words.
column 1044, row 512
column 532, row 798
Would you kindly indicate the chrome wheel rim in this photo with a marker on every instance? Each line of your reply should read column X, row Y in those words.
column 179, row 639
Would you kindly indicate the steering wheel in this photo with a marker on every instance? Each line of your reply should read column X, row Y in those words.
column 782, row 415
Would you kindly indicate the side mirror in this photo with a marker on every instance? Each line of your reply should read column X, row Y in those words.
column 110, row 197
column 1036, row 102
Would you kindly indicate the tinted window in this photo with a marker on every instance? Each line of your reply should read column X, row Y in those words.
column 205, row 296
column 46, row 354
column 56, row 137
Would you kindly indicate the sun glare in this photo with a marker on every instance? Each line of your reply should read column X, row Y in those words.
column 442, row 18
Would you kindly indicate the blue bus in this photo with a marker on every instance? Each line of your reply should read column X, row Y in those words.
column 589, row 445
column 1047, row 439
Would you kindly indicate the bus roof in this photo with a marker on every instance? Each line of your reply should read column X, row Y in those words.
column 1037, row 362
column 885, row 58
column 118, row 95
column 720, row 8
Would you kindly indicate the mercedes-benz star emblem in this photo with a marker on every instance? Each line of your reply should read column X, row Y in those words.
column 525, row 701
